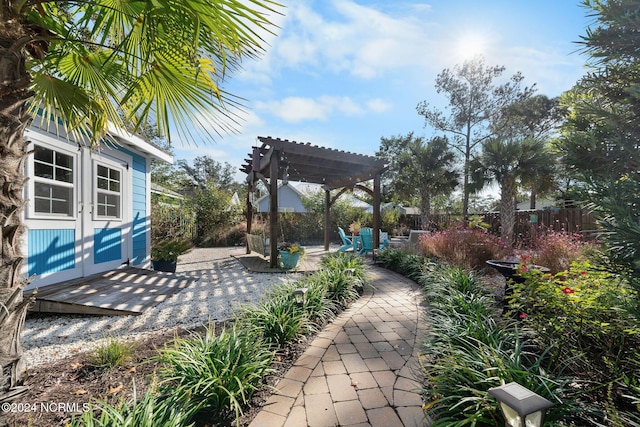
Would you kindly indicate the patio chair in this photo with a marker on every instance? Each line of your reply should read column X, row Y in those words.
column 348, row 242
column 366, row 238
column 384, row 239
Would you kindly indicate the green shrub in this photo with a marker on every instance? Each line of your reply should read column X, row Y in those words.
column 341, row 288
column 317, row 307
column 216, row 373
column 153, row 410
column 169, row 250
column 112, row 353
column 467, row 352
column 277, row 318
column 466, row 248
column 587, row 310
column 403, row 262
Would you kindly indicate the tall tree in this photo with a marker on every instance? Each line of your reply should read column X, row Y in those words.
column 536, row 117
column 206, row 169
column 86, row 64
column 601, row 141
column 508, row 162
column 475, row 103
column 425, row 168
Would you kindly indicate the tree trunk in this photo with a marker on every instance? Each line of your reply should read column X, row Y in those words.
column 532, row 197
column 507, row 210
column 425, row 210
column 14, row 81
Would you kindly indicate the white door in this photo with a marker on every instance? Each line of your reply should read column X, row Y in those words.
column 106, row 219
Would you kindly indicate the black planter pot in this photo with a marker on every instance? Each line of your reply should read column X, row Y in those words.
column 164, row 265
column 509, row 269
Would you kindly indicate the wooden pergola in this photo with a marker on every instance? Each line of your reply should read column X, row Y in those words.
column 281, row 159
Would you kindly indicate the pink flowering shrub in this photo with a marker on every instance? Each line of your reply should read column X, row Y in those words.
column 557, row 250
column 465, row 248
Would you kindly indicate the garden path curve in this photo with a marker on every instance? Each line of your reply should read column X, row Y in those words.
column 362, row 369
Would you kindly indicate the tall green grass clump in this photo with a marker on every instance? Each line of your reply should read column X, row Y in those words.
column 218, row 374
column 278, row 319
column 152, row 410
column 113, row 352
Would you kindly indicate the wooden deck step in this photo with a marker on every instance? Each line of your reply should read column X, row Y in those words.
column 124, row 291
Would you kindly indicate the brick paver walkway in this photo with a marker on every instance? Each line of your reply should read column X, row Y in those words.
column 361, row 370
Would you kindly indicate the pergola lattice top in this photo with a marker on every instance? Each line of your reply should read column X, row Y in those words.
column 311, row 163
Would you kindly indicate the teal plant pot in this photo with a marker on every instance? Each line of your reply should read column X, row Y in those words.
column 289, row 260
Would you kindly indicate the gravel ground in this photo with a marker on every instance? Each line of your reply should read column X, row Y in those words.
column 223, row 285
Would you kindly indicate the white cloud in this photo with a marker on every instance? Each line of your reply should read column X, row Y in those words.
column 297, row 109
column 378, row 105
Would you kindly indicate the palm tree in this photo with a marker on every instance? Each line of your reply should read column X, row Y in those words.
column 509, row 163
column 90, row 63
column 426, row 168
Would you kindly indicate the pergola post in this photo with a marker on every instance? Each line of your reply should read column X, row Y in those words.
column 327, row 217
column 376, row 211
column 249, row 214
column 274, row 165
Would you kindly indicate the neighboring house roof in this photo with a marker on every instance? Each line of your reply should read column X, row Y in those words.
column 235, row 199
column 158, row 189
column 401, row 209
column 289, row 200
column 541, row 203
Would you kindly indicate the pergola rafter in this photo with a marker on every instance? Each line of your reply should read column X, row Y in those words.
column 303, row 162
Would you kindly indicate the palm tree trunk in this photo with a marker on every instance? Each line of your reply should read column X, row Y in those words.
column 507, row 210
column 14, row 93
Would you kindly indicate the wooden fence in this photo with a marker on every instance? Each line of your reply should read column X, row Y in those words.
column 528, row 223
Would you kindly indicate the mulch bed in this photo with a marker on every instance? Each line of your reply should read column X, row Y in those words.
column 60, row 389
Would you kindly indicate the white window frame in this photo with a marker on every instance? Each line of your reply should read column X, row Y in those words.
column 62, row 148
column 96, row 190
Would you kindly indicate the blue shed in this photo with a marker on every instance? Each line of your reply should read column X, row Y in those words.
column 87, row 211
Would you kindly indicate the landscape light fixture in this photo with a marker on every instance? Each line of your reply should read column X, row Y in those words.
column 349, row 272
column 300, row 295
column 520, row 406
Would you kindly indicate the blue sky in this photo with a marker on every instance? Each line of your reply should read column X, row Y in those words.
column 344, row 73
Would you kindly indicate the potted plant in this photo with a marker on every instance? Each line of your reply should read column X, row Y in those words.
column 164, row 255
column 354, row 228
column 290, row 254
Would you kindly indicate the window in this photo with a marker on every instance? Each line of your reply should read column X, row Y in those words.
column 53, row 182
column 108, row 195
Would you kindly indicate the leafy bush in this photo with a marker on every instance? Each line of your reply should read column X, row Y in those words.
column 587, row 310
column 152, row 410
column 466, row 248
column 170, row 221
column 169, row 250
column 403, row 262
column 217, row 373
column 112, row 353
column 467, row 352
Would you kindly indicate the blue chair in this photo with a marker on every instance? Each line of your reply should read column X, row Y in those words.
column 366, row 238
column 348, row 242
